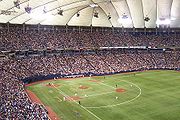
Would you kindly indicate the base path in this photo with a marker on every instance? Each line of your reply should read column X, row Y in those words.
column 34, row 98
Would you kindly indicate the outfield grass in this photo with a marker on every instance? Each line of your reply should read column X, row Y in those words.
column 150, row 95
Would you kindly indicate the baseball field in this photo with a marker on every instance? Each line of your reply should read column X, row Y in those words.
column 148, row 95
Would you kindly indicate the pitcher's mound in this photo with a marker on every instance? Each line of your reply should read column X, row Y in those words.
column 120, row 90
column 83, row 87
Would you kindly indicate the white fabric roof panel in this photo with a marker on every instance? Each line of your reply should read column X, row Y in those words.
column 175, row 13
column 121, row 8
column 134, row 10
column 149, row 9
column 85, row 18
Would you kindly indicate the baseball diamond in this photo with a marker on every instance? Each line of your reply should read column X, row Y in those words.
column 154, row 92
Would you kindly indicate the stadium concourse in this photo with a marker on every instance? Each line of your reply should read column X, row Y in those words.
column 14, row 102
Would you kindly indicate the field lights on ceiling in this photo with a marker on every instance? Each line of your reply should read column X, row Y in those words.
column 173, row 18
column 124, row 19
column 78, row 14
column 163, row 21
column 96, row 15
column 109, row 16
column 17, row 4
column 124, row 16
column 146, row 19
column 28, row 9
column 44, row 10
column 93, row 5
column 60, row 12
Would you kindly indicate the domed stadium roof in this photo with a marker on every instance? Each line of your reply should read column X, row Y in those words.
column 105, row 13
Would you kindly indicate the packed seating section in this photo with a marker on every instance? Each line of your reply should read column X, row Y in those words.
column 14, row 102
column 17, row 39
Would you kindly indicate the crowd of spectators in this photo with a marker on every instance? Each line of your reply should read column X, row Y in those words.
column 19, row 40
column 15, row 103
column 97, row 63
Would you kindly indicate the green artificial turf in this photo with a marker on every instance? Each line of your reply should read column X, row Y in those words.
column 149, row 95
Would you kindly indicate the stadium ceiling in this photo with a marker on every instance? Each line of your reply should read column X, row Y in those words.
column 117, row 13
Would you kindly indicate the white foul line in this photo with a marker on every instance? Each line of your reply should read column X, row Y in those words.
column 78, row 104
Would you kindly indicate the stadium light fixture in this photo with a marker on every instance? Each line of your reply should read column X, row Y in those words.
column 78, row 14
column 60, row 12
column 93, row 5
column 17, row 4
column 96, row 15
column 163, row 21
column 146, row 19
column 28, row 9
column 173, row 18
column 124, row 19
column 109, row 16
column 44, row 10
